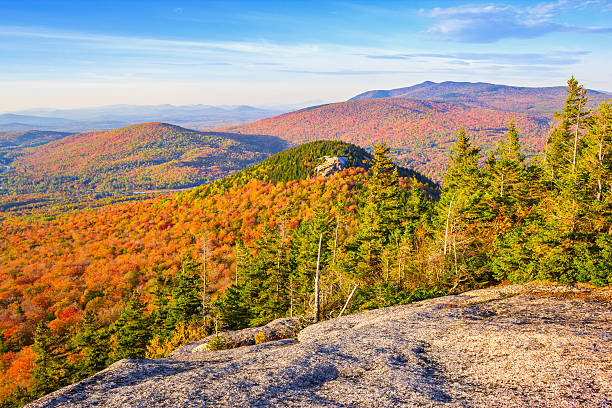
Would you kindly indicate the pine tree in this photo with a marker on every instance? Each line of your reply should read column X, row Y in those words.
column 381, row 216
column 507, row 177
column 460, row 217
column 303, row 256
column 596, row 164
column 266, row 284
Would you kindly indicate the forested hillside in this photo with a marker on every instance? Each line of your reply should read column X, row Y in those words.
column 134, row 280
column 420, row 133
column 300, row 162
column 147, row 156
column 27, row 138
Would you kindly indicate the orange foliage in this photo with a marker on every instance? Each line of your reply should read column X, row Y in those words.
column 420, row 132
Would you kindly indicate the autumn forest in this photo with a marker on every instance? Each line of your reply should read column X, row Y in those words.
column 437, row 200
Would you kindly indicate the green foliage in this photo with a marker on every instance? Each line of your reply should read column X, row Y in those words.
column 95, row 341
column 52, row 370
column 186, row 303
column 131, row 330
column 300, row 162
column 218, row 342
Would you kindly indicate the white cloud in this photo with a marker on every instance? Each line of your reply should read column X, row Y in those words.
column 489, row 23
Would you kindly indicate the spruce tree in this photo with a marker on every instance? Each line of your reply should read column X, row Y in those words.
column 303, row 257
column 563, row 146
column 132, row 333
column 460, row 217
column 266, row 283
column 381, row 216
column 51, row 369
column 95, row 342
column 186, row 298
column 507, row 174
column 596, row 164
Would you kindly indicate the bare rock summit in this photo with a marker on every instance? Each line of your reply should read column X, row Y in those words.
column 533, row 345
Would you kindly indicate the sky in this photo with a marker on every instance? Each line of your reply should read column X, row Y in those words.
column 71, row 54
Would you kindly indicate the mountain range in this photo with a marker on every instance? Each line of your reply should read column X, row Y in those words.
column 540, row 101
column 115, row 116
column 420, row 123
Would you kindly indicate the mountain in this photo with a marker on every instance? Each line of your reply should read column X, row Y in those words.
column 90, row 260
column 145, row 156
column 28, row 138
column 539, row 101
column 115, row 116
column 482, row 348
column 301, row 162
column 420, row 132
column 18, row 122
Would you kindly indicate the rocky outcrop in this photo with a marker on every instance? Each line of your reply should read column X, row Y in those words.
column 331, row 165
column 532, row 345
column 278, row 329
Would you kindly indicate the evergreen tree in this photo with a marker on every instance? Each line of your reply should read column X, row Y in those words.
column 161, row 293
column 266, row 280
column 186, row 299
column 304, row 255
column 51, row 369
column 461, row 218
column 381, row 216
column 563, row 146
column 596, row 170
column 131, row 330
column 234, row 308
column 95, row 341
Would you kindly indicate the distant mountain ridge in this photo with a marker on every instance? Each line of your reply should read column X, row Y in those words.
column 535, row 100
column 116, row 116
column 21, row 139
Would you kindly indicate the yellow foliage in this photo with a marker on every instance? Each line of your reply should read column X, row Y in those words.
column 160, row 347
column 260, row 337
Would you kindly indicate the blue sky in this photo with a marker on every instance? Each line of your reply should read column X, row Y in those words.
column 86, row 53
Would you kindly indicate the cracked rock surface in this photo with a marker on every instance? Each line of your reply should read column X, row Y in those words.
column 533, row 345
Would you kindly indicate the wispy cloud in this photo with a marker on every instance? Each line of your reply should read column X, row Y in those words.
column 345, row 72
column 556, row 58
column 149, row 44
column 476, row 23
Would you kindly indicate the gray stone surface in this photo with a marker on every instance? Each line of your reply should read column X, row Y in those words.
column 534, row 345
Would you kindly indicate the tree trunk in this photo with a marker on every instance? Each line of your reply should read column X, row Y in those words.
column 501, row 188
column 348, row 300
column 237, row 259
column 290, row 297
column 450, row 206
column 278, row 255
column 204, row 273
column 576, row 134
column 600, row 157
column 317, row 307
column 336, row 239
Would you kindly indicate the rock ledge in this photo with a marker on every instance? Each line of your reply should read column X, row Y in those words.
column 533, row 345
